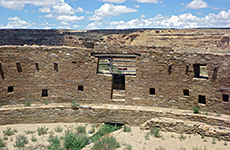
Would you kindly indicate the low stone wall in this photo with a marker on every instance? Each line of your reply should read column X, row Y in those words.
column 189, row 127
column 182, row 120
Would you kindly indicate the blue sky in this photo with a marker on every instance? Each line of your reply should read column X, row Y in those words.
column 113, row 14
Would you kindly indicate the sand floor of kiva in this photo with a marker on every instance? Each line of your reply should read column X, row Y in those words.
column 137, row 138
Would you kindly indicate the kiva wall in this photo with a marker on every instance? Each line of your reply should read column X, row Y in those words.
column 70, row 73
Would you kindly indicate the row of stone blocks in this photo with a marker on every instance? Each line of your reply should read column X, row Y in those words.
column 186, row 126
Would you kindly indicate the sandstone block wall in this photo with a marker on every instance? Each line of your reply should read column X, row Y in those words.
column 63, row 71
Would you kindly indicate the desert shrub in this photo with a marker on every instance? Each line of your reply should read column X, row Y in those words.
column 155, row 132
column 81, row 129
column 225, row 143
column 213, row 141
column 29, row 132
column 202, row 136
column 127, row 128
column 2, row 143
column 42, row 130
column 107, row 143
column 128, row 147
column 9, row 131
column 55, row 143
column 196, row 110
column 74, row 141
column 160, row 148
column 46, row 102
column 33, row 138
column 74, row 104
column 27, row 104
column 103, row 130
column 5, row 138
column 21, row 141
column 58, row 129
column 147, row 136
column 182, row 137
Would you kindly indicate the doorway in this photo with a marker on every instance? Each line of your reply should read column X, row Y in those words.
column 118, row 87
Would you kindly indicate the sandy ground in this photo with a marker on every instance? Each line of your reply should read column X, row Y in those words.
column 169, row 140
column 136, row 138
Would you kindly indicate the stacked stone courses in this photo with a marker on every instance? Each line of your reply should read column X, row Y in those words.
column 59, row 66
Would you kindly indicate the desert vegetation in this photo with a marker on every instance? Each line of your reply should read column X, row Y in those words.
column 100, row 137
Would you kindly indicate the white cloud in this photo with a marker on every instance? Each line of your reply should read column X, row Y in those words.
column 76, row 26
column 19, row 4
column 16, row 22
column 94, row 25
column 114, row 1
column 49, row 16
column 63, row 9
column 187, row 20
column 79, row 9
column 44, row 10
column 69, row 18
column 147, row 1
column 197, row 4
column 110, row 10
column 64, row 23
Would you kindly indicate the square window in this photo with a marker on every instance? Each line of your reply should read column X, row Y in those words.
column 186, row 92
column 202, row 99
column 152, row 91
column 80, row 88
column 200, row 71
column 44, row 92
column 10, row 89
column 225, row 97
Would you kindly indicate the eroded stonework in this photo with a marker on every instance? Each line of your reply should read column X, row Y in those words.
column 173, row 68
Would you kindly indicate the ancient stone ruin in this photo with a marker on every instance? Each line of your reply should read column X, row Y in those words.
column 129, row 71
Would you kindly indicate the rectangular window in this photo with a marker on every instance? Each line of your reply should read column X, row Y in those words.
column 19, row 68
column 200, row 71
column 56, row 66
column 37, row 66
column 170, row 69
column 1, row 72
column 187, row 69
column 186, row 92
column 10, row 89
column 80, row 88
column 44, row 92
column 225, row 97
column 152, row 91
column 202, row 99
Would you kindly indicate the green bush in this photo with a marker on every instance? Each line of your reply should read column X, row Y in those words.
column 29, row 132
column 27, row 104
column 103, row 130
column 74, row 141
column 74, row 104
column 182, row 137
column 196, row 110
column 107, row 143
column 9, row 131
column 147, row 135
column 155, row 132
column 42, row 130
column 2, row 143
column 33, row 138
column 21, row 141
column 160, row 148
column 55, row 143
column 127, row 128
column 81, row 129
column 58, row 129
column 128, row 147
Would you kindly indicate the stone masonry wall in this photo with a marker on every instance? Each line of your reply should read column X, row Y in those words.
column 76, row 67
